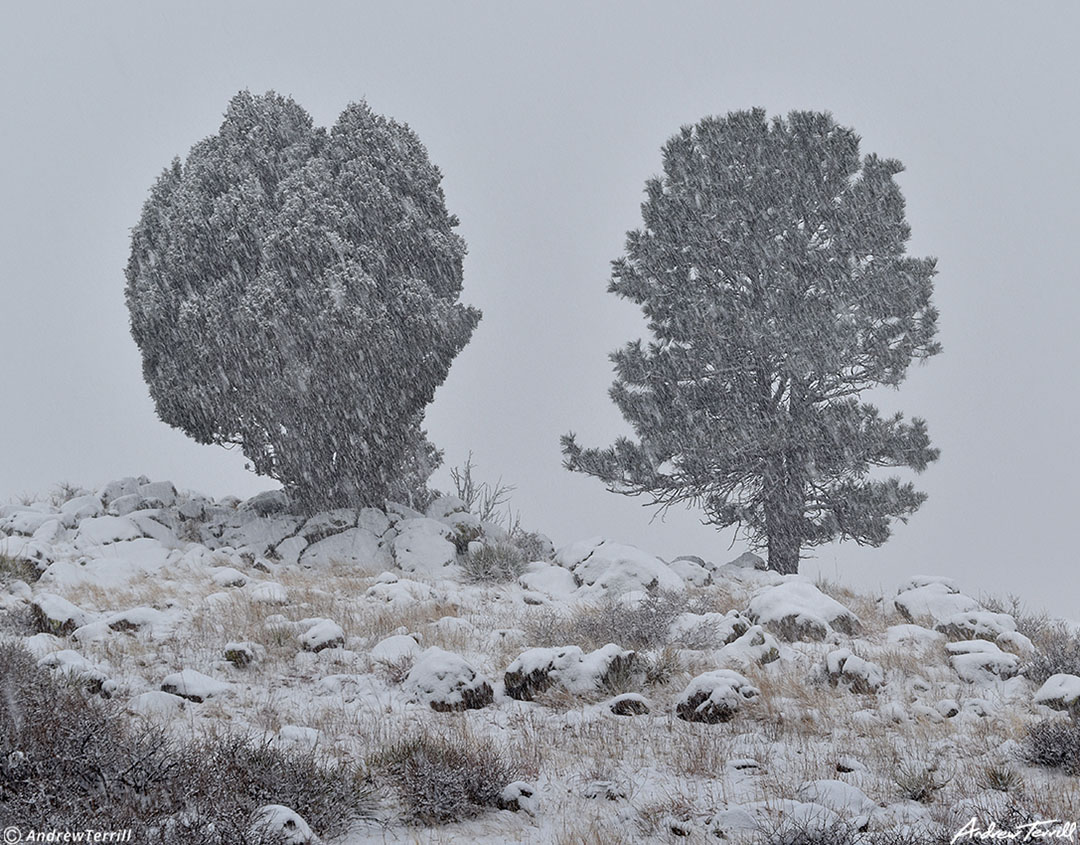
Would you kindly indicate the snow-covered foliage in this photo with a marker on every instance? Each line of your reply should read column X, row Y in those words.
column 294, row 290
column 772, row 269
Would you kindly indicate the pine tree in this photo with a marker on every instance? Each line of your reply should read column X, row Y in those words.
column 772, row 271
column 294, row 292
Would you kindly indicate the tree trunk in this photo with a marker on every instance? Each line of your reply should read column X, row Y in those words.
column 785, row 504
column 784, row 546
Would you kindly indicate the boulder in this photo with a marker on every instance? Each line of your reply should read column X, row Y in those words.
column 421, row 546
column 192, row 685
column 617, row 567
column 715, row 697
column 936, row 600
column 536, row 669
column 243, row 654
column 629, row 704
column 976, row 625
column 979, row 661
column 354, row 547
column 859, row 675
column 325, row 633
column 53, row 614
column 1060, row 692
column 797, row 610
column 445, row 681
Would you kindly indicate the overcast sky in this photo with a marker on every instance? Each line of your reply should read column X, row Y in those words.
column 546, row 120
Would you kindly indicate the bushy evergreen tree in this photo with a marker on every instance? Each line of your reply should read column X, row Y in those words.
column 294, row 292
column 772, row 270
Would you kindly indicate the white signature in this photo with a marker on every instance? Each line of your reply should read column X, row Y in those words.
column 1030, row 832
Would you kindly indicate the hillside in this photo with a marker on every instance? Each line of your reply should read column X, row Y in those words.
column 459, row 683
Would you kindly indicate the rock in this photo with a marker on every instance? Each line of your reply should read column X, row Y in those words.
column 395, row 649
column 629, row 704
column 354, row 547
column 120, row 488
column 103, row 530
column 976, row 625
column 163, row 491
column 749, row 560
column 917, row 581
column 53, row 614
column 323, row 634
column 285, row 825
column 715, row 697
column 157, row 704
column 536, row 669
column 288, row 551
column 756, row 647
column 691, row 572
column 979, row 661
column 617, row 567
column 267, row 592
column 936, row 600
column 517, row 796
column 843, row 798
column 243, row 654
column 550, row 580
column 28, row 523
column 192, row 685
column 374, row 520
column 226, row 576
column 797, row 610
column 266, row 503
column 77, row 509
column 446, row 682
column 421, row 546
column 1060, row 692
column 860, row 675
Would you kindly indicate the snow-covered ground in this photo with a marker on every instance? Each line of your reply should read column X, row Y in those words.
column 636, row 699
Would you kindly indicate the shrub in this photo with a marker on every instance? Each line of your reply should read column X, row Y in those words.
column 1057, row 651
column 18, row 569
column 73, row 761
column 294, row 291
column 1054, row 743
column 918, row 782
column 497, row 561
column 644, row 624
column 441, row 780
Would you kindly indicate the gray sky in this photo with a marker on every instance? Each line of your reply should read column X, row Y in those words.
column 546, row 119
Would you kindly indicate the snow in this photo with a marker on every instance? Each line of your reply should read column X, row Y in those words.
column 982, row 662
column 935, row 600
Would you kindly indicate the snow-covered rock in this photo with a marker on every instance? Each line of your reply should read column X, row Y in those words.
column 979, row 661
column 629, row 704
column 553, row 581
column 862, row 676
column 241, row 654
column 71, row 664
column 797, row 610
column 328, row 522
column 156, row 704
column 395, row 649
column 756, row 647
column 536, row 669
column 192, row 685
column 355, row 547
column 421, row 547
column 287, row 825
column 267, row 592
column 1060, row 692
column 715, row 697
column 54, row 614
column 518, row 796
column 325, row 633
column 691, row 572
column 227, row 576
column 102, row 530
column 936, row 600
column 976, row 625
column 445, row 681
column 616, row 567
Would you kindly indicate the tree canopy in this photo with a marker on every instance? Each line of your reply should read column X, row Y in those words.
column 294, row 292
column 772, row 271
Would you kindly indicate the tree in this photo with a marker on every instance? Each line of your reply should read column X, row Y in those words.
column 772, row 271
column 294, row 292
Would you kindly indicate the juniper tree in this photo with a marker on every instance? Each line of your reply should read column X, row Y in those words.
column 771, row 268
column 294, row 292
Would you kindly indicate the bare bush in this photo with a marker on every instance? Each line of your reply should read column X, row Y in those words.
column 441, row 780
column 74, row 761
column 1057, row 650
column 494, row 562
column 1054, row 743
column 641, row 625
